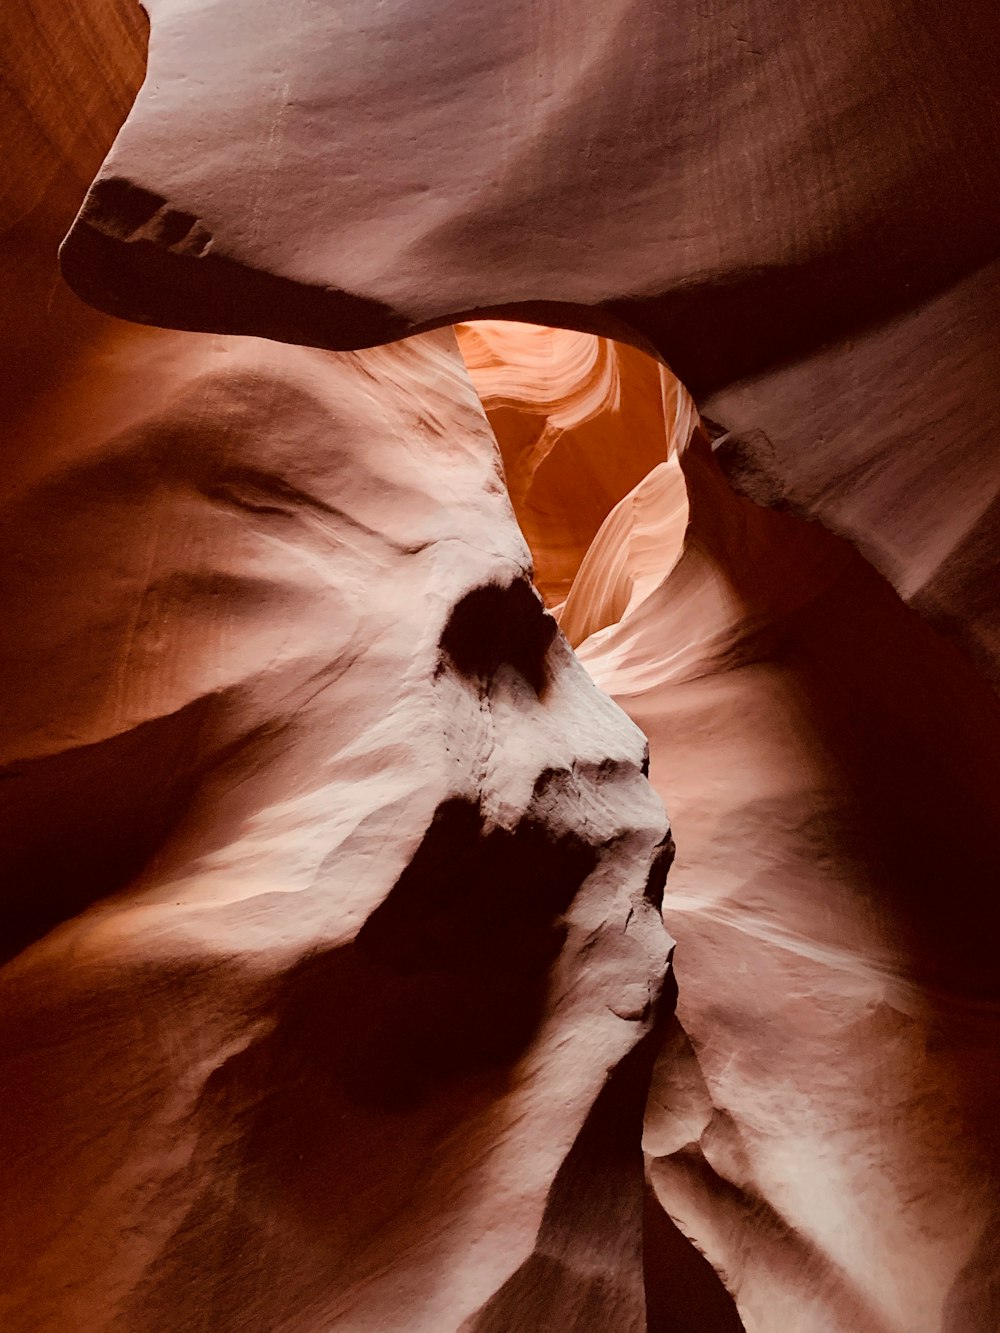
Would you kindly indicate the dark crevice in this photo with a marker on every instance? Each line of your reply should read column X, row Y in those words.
column 586, row 1270
column 656, row 883
column 496, row 624
column 198, row 288
column 79, row 825
column 380, row 1063
column 684, row 1294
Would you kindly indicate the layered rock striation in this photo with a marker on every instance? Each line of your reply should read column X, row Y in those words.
column 580, row 421
column 334, row 973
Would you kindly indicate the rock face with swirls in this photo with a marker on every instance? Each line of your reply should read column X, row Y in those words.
column 822, row 1118
column 331, row 881
column 333, row 958
column 561, row 404
column 810, row 244
column 383, row 921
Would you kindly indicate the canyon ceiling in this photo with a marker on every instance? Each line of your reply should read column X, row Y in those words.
column 482, row 430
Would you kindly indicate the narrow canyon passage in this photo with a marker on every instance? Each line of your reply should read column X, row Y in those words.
column 821, row 1118
column 494, row 840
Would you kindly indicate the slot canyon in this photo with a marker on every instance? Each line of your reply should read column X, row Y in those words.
column 500, row 791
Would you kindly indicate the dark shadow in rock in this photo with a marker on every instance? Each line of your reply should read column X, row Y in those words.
column 586, row 1271
column 493, row 625
column 353, row 1125
column 197, row 288
column 466, row 939
column 684, row 1293
column 748, row 463
column 656, row 883
column 962, row 596
column 600, row 1261
column 973, row 1302
column 80, row 825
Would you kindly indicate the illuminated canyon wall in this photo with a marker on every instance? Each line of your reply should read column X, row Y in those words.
column 335, row 990
column 331, row 880
column 821, row 1121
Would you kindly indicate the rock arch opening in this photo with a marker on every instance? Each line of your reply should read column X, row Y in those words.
column 275, row 741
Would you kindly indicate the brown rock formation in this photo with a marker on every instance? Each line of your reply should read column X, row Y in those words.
column 823, row 1119
column 372, row 927
column 799, row 209
column 823, row 1124
column 332, row 950
column 580, row 421
column 330, row 879
column 887, row 439
column 733, row 184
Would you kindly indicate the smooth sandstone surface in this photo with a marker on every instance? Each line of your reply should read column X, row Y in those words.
column 330, row 880
column 374, row 873
column 330, row 995
column 822, row 1121
column 734, row 181
column 797, row 206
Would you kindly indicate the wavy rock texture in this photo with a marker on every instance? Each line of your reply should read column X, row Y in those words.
column 734, row 183
column 824, row 1122
column 823, row 1118
column 887, row 439
column 562, row 404
column 798, row 208
column 330, row 880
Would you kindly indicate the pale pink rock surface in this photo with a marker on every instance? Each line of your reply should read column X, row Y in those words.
column 822, row 1121
column 373, row 855
column 262, row 740
column 330, row 878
